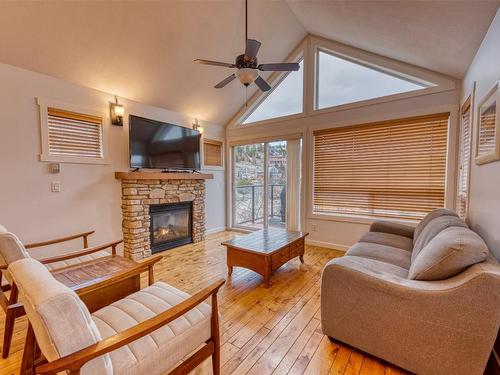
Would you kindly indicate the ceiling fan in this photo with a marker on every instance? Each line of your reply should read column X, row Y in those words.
column 247, row 64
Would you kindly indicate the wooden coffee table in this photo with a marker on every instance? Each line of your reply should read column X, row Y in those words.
column 265, row 251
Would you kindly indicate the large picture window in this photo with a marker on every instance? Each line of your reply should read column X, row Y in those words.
column 285, row 99
column 393, row 169
column 341, row 81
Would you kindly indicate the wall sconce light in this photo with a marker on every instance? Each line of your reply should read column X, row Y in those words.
column 117, row 112
column 197, row 126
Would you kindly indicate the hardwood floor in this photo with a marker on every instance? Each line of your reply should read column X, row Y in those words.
column 263, row 331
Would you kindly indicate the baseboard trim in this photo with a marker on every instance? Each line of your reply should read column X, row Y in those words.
column 328, row 245
column 215, row 230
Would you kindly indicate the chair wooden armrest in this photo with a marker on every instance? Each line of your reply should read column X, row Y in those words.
column 106, row 281
column 75, row 361
column 82, row 252
column 84, row 236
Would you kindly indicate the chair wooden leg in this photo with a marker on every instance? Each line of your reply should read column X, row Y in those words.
column 29, row 354
column 215, row 336
column 10, row 319
column 151, row 275
column 14, row 294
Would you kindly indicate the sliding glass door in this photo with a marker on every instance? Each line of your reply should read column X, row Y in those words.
column 248, row 182
column 261, row 173
column 276, row 180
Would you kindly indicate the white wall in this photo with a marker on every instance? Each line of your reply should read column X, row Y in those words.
column 484, row 209
column 90, row 196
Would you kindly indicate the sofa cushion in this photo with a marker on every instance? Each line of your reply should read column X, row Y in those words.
column 450, row 252
column 161, row 350
column 384, row 270
column 387, row 254
column 388, row 239
column 434, row 227
column 61, row 321
column 431, row 216
column 391, row 227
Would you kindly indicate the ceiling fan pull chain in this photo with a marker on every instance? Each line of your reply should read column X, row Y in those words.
column 246, row 21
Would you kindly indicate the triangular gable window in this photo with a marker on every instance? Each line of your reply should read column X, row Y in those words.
column 341, row 81
column 284, row 100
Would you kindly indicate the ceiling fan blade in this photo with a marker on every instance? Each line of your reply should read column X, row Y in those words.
column 279, row 67
column 263, row 85
column 225, row 81
column 252, row 48
column 215, row 63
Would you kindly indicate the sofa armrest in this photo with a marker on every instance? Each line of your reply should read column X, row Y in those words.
column 392, row 228
column 366, row 305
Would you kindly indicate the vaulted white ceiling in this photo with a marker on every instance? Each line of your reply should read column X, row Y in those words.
column 438, row 35
column 144, row 50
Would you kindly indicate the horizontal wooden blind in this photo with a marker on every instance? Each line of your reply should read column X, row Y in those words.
column 74, row 134
column 212, row 152
column 487, row 131
column 464, row 159
column 390, row 169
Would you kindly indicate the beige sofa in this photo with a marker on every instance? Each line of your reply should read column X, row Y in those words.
column 426, row 299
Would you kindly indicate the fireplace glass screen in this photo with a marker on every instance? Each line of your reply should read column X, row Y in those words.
column 170, row 225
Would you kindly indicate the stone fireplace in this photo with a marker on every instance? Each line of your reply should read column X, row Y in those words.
column 161, row 211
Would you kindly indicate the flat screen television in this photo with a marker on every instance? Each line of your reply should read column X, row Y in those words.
column 160, row 145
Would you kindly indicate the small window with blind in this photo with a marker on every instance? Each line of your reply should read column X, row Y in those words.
column 212, row 153
column 71, row 134
column 393, row 169
column 464, row 157
column 488, row 127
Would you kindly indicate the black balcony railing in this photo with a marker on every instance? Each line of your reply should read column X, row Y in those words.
column 249, row 203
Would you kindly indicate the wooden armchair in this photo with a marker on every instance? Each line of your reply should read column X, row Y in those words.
column 12, row 249
column 157, row 330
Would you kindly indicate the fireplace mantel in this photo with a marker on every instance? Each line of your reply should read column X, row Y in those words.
column 162, row 176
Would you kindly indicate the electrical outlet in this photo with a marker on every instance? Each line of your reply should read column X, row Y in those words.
column 313, row 227
column 55, row 187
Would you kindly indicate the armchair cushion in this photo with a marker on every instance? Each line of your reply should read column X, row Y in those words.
column 11, row 249
column 161, row 350
column 61, row 321
column 388, row 239
column 447, row 254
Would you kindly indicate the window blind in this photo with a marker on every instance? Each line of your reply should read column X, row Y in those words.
column 212, row 152
column 390, row 169
column 464, row 159
column 487, row 131
column 74, row 134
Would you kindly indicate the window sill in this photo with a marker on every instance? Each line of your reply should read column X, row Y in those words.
column 358, row 219
column 72, row 160
column 212, row 168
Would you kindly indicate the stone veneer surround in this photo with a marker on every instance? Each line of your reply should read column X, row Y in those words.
column 138, row 195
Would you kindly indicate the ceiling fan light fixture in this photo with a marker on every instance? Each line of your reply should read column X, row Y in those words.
column 247, row 75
